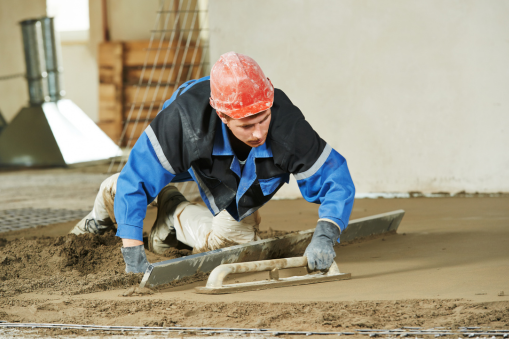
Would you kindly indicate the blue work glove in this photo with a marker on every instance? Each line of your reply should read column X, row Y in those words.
column 135, row 259
column 320, row 251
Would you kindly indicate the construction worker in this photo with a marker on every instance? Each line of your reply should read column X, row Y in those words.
column 239, row 139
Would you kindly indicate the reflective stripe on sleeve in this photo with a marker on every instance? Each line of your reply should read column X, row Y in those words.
column 316, row 166
column 159, row 151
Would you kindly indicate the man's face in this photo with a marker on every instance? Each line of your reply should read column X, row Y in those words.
column 251, row 130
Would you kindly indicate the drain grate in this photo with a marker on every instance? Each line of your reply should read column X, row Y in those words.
column 16, row 219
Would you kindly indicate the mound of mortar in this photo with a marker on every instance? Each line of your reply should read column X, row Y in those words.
column 63, row 265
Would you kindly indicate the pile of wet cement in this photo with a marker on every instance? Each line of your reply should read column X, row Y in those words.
column 63, row 265
column 72, row 264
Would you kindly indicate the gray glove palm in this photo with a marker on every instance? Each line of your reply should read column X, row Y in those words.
column 135, row 259
column 320, row 251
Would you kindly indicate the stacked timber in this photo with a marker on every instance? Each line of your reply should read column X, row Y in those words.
column 110, row 89
column 135, row 80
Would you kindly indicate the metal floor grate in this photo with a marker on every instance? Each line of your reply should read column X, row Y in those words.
column 16, row 219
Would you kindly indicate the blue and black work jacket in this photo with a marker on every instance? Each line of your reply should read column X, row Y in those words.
column 188, row 141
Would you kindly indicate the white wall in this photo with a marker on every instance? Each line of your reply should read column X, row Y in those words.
column 14, row 92
column 81, row 71
column 135, row 19
column 132, row 19
column 415, row 94
column 81, row 77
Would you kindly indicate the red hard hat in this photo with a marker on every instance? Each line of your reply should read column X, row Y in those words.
column 238, row 86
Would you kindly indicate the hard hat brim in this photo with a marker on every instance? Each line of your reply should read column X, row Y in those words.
column 242, row 112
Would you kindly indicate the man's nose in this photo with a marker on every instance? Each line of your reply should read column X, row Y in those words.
column 257, row 132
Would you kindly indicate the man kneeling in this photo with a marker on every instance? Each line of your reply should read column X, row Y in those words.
column 239, row 139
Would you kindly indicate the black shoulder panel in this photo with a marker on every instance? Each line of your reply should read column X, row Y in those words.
column 185, row 129
column 295, row 145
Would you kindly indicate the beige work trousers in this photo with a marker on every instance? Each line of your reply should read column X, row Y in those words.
column 194, row 224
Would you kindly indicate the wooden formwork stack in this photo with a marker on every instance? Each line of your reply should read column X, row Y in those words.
column 136, row 79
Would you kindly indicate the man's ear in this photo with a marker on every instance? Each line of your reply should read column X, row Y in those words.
column 223, row 119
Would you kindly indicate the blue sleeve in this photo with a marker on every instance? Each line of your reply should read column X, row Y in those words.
column 140, row 181
column 329, row 184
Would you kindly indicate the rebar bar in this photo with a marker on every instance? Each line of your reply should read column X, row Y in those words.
column 402, row 332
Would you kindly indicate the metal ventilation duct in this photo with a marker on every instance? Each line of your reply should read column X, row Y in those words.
column 43, row 60
column 53, row 58
column 52, row 131
column 34, row 59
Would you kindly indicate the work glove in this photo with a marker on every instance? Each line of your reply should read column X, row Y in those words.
column 135, row 259
column 320, row 251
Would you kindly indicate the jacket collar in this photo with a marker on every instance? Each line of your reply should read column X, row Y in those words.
column 222, row 145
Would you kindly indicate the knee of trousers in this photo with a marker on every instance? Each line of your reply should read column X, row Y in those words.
column 226, row 227
column 110, row 184
column 106, row 196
